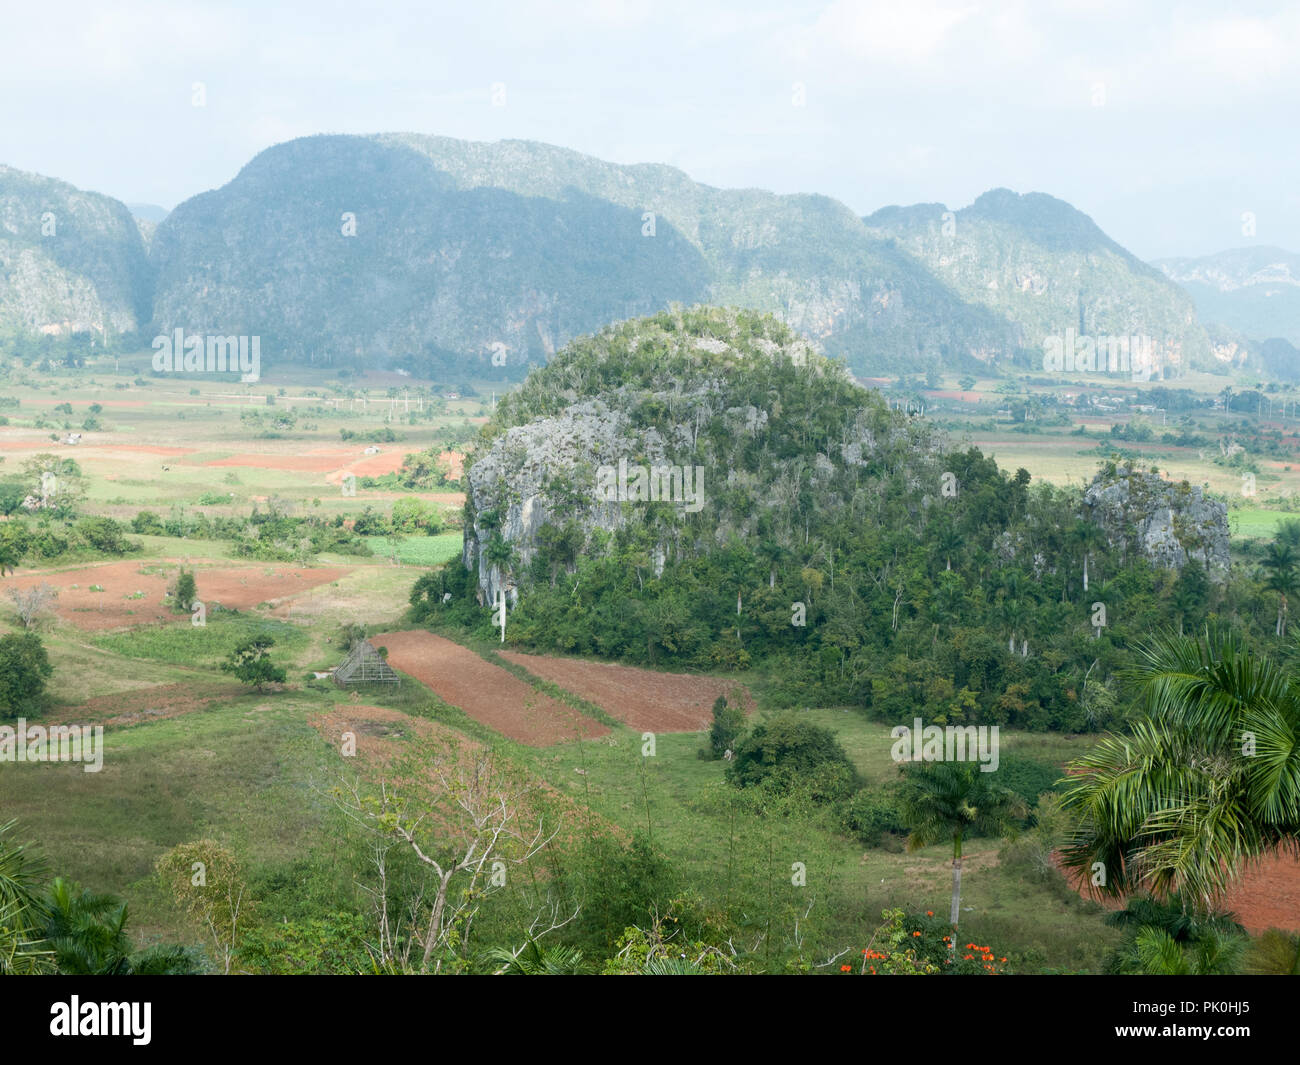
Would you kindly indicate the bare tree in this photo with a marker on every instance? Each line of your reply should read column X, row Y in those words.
column 32, row 603
column 466, row 820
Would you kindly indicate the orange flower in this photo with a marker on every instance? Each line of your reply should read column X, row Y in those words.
column 846, row 968
column 915, row 934
column 1002, row 960
column 929, row 913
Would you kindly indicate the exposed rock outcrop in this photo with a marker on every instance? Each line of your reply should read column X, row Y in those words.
column 1168, row 523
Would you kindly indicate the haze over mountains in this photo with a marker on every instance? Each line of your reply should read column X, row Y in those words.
column 427, row 253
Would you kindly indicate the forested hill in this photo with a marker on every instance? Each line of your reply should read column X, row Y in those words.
column 420, row 251
column 70, row 261
column 1046, row 267
column 836, row 541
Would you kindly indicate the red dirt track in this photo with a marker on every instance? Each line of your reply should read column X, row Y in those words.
column 488, row 693
column 641, row 698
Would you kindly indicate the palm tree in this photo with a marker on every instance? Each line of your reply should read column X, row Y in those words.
column 533, row 959
column 21, row 914
column 1154, row 952
column 1085, row 536
column 1207, row 780
column 86, row 931
column 1280, row 561
column 1168, row 937
column 948, row 800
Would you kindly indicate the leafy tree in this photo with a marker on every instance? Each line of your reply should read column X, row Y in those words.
column 208, row 880
column 728, row 724
column 951, row 800
column 185, row 591
column 24, row 669
column 252, row 664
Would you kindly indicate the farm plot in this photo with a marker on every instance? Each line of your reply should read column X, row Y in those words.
column 487, row 693
column 116, row 594
column 641, row 698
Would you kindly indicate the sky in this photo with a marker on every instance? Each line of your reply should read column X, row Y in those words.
column 1173, row 125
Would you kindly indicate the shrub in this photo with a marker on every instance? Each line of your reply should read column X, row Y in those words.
column 781, row 753
column 868, row 815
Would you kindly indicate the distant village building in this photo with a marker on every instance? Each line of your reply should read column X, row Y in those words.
column 372, row 450
column 73, row 438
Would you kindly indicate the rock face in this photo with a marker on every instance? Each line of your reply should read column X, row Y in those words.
column 673, row 434
column 70, row 261
column 1165, row 522
column 1049, row 268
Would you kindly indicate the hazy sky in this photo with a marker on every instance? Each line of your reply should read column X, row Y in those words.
column 1164, row 122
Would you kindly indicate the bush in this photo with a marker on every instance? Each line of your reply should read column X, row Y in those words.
column 147, row 523
column 868, row 815
column 105, row 534
column 787, row 751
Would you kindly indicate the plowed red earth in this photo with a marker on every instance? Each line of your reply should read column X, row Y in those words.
column 1267, row 895
column 488, row 693
column 642, row 698
column 238, row 588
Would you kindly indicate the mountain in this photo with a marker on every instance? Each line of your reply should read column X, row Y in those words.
column 148, row 212
column 1254, row 291
column 432, row 254
column 1046, row 267
column 70, row 261
column 419, row 251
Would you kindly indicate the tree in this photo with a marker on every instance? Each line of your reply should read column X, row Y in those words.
column 185, row 591
column 1280, row 562
column 22, row 947
column 728, row 724
column 943, row 800
column 32, row 603
column 208, row 881
column 24, row 669
column 461, row 816
column 1208, row 779
column 251, row 663
column 1168, row 937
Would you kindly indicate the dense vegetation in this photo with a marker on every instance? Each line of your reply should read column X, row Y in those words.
column 845, row 551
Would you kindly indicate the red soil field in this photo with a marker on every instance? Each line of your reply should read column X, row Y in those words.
column 641, row 698
column 488, row 693
column 1267, row 895
column 239, row 588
